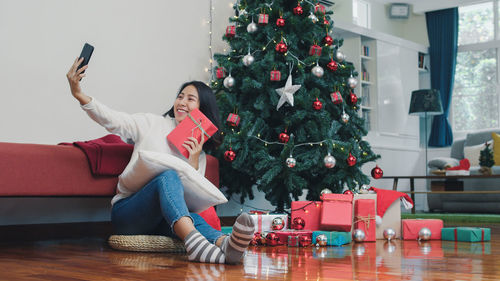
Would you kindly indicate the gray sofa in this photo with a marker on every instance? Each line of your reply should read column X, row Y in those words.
column 470, row 203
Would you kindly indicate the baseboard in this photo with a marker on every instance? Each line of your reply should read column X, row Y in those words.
column 53, row 231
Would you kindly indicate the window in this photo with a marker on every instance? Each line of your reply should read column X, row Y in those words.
column 476, row 93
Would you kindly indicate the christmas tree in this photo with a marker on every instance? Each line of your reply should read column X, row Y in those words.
column 286, row 92
column 486, row 157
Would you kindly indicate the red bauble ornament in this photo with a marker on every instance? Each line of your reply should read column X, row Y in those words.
column 281, row 47
column 280, row 22
column 305, row 241
column 351, row 160
column 298, row 223
column 348, row 192
column 332, row 65
column 377, row 173
column 353, row 98
column 278, row 223
column 284, row 137
column 298, row 10
column 325, row 21
column 229, row 155
column 328, row 40
column 272, row 239
column 256, row 240
column 317, row 105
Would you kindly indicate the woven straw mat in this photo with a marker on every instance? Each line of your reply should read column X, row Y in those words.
column 146, row 243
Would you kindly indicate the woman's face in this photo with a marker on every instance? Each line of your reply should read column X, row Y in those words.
column 185, row 102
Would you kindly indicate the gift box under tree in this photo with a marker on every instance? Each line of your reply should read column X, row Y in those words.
column 466, row 234
column 364, row 218
column 336, row 212
column 411, row 228
column 284, row 236
column 334, row 238
column 264, row 221
column 309, row 211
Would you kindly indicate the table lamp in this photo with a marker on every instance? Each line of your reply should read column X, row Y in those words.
column 423, row 103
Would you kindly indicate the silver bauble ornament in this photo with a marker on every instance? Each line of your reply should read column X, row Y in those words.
column 339, row 56
column 424, row 234
column 364, row 189
column 358, row 235
column 248, row 59
column 318, row 71
column 291, row 162
column 325, row 191
column 321, row 240
column 345, row 117
column 313, row 18
column 252, row 27
column 352, row 82
column 389, row 234
column 329, row 161
column 229, row 81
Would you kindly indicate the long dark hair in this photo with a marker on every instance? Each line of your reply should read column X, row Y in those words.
column 208, row 106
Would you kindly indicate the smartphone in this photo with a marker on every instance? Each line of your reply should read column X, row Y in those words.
column 86, row 54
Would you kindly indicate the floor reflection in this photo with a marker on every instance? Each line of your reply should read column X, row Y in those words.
column 382, row 260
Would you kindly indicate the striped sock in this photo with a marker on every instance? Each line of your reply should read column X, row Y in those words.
column 199, row 249
column 235, row 245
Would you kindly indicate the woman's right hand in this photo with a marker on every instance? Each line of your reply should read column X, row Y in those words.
column 74, row 76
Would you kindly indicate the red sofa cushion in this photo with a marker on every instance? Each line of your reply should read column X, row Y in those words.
column 60, row 170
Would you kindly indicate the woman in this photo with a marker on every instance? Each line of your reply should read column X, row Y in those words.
column 159, row 206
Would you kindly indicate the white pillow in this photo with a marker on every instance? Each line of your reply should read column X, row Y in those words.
column 199, row 192
column 473, row 152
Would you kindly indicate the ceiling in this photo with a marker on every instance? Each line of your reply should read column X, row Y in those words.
column 422, row 6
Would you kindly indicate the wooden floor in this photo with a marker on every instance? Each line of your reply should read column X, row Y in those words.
column 92, row 259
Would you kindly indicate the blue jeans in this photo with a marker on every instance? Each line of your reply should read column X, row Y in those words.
column 155, row 208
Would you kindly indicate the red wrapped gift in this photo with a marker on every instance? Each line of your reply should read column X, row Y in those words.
column 336, row 97
column 309, row 211
column 231, row 31
column 411, row 227
column 263, row 19
column 283, row 236
column 221, row 72
column 275, row 75
column 233, row 119
column 315, row 50
column 195, row 124
column 364, row 218
column 319, row 8
column 336, row 213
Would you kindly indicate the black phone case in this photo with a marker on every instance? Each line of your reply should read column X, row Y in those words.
column 86, row 54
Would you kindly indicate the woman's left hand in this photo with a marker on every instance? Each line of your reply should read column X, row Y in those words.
column 194, row 148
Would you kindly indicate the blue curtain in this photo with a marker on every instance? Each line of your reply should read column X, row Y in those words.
column 442, row 29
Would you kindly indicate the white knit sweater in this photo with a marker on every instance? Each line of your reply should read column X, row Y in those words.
column 148, row 131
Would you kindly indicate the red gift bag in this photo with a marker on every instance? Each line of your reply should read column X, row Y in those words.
column 364, row 218
column 195, row 124
column 336, row 213
column 309, row 211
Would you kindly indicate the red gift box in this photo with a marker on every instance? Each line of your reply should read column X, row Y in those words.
column 364, row 218
column 275, row 75
column 336, row 213
column 319, row 8
column 283, row 235
column 336, row 97
column 233, row 119
column 411, row 227
column 195, row 124
column 309, row 211
column 263, row 19
column 315, row 50
column 230, row 31
column 221, row 72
